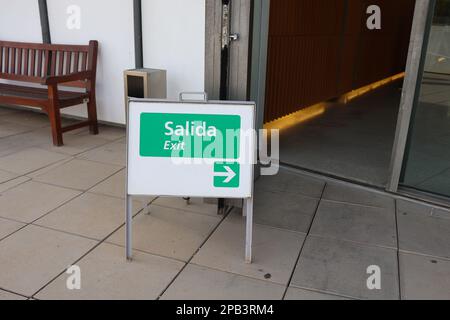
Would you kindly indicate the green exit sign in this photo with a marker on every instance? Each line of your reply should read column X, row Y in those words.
column 226, row 175
column 179, row 135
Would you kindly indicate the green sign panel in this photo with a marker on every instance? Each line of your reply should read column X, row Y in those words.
column 176, row 135
column 226, row 175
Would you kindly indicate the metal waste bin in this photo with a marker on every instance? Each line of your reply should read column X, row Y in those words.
column 145, row 83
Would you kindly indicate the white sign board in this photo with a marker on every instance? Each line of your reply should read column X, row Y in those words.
column 191, row 149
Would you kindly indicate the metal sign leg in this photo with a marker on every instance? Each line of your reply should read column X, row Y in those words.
column 248, row 209
column 146, row 207
column 129, row 226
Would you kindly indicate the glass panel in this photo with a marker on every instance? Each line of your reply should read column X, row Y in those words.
column 427, row 166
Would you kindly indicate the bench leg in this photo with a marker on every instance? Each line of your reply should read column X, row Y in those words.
column 92, row 114
column 55, row 121
column 54, row 115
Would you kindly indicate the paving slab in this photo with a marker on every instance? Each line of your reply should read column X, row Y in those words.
column 31, row 200
column 290, row 182
column 6, row 110
column 168, row 232
column 29, row 160
column 275, row 251
column 10, row 129
column 344, row 193
column 196, row 205
column 284, row 210
column 302, row 294
column 76, row 144
column 423, row 230
column 424, row 278
column 112, row 153
column 27, row 118
column 113, row 186
column 89, row 215
column 8, row 227
column 78, row 174
column 33, row 256
column 5, row 295
column 23, row 141
column 49, row 168
column 201, row 283
column 107, row 132
column 340, row 267
column 6, row 176
column 107, row 275
column 370, row 225
column 5, row 186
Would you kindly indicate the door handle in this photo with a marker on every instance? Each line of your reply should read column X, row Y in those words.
column 227, row 36
column 234, row 37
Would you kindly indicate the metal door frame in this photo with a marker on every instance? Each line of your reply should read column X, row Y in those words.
column 223, row 79
column 257, row 55
column 228, row 79
column 258, row 65
column 411, row 89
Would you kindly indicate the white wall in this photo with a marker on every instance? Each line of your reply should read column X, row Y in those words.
column 174, row 39
column 111, row 23
column 19, row 21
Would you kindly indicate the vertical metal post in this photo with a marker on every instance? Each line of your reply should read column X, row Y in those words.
column 260, row 41
column 248, row 208
column 409, row 94
column 129, row 228
column 45, row 26
column 146, row 207
column 138, row 47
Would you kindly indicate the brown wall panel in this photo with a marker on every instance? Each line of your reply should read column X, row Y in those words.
column 321, row 49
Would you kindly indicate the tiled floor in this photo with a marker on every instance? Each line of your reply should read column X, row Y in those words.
column 312, row 239
column 352, row 140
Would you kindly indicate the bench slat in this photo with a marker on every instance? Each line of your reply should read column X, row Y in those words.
column 44, row 46
column 76, row 62
column 39, row 63
column 1, row 59
column 13, row 60
column 52, row 55
column 20, row 77
column 32, row 63
column 25, row 62
column 37, row 93
column 60, row 63
column 68, row 62
column 19, row 61
column 6, row 60
column 46, row 62
column 83, row 61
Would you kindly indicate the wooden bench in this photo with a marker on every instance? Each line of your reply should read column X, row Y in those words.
column 50, row 65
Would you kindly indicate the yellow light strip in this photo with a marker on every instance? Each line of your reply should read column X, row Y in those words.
column 364, row 90
column 297, row 117
column 316, row 110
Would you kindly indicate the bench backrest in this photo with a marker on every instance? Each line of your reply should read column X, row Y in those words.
column 33, row 62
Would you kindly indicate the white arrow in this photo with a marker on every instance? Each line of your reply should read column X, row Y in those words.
column 230, row 174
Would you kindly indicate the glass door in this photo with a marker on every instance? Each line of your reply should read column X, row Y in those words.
column 427, row 162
